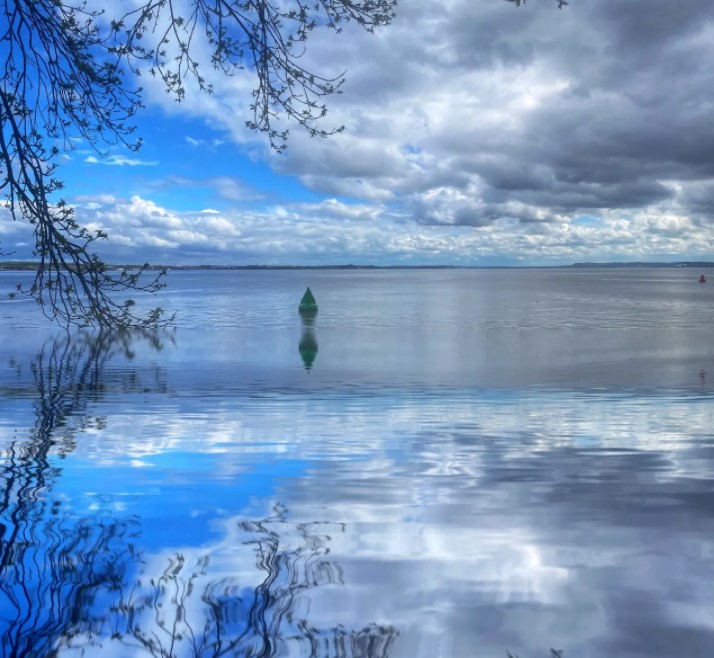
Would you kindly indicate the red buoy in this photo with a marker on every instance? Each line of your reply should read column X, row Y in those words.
column 702, row 279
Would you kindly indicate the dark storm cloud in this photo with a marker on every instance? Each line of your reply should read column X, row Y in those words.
column 699, row 198
column 566, row 197
column 507, row 174
column 638, row 27
column 640, row 110
column 484, row 37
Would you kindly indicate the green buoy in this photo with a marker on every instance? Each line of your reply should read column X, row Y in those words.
column 308, row 303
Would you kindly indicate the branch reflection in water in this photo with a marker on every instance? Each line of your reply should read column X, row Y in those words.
column 71, row 584
column 184, row 612
column 54, row 566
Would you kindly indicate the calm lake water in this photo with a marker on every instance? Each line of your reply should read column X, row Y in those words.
column 444, row 464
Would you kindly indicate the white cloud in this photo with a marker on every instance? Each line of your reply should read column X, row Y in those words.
column 119, row 161
column 332, row 231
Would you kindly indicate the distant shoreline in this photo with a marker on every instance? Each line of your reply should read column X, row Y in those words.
column 29, row 266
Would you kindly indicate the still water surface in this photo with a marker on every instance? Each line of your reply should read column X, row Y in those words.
column 444, row 464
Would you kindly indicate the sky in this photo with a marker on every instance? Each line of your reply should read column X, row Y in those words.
column 476, row 133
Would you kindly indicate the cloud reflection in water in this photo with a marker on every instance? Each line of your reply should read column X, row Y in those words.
column 76, row 581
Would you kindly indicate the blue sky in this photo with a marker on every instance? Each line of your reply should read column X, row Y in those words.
column 476, row 133
column 185, row 164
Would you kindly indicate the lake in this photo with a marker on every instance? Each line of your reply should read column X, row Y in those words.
column 441, row 464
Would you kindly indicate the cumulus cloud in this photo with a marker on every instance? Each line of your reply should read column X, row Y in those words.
column 333, row 231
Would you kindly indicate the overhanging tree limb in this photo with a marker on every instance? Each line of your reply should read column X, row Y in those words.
column 68, row 71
